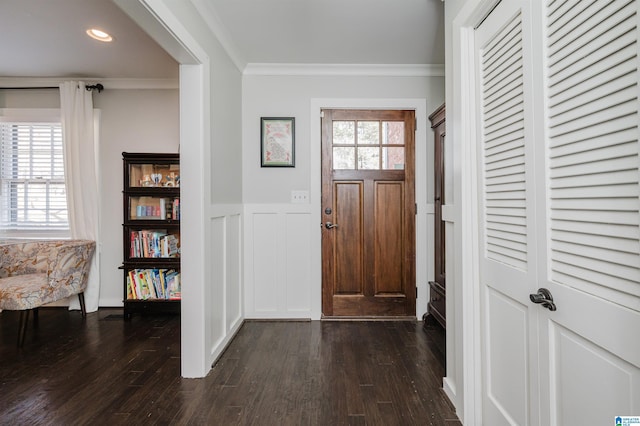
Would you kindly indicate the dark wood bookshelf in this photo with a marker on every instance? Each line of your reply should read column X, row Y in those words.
column 151, row 232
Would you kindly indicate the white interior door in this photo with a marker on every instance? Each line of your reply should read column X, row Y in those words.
column 590, row 256
column 558, row 156
column 507, row 219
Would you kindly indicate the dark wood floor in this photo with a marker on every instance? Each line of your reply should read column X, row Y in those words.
column 108, row 371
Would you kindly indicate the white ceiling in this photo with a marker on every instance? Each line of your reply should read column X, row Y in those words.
column 334, row 31
column 47, row 38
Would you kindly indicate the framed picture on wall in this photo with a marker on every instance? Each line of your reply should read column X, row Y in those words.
column 277, row 141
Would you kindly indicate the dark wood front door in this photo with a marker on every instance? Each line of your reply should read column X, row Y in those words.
column 368, row 211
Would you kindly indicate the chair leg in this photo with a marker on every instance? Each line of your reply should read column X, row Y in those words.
column 82, row 306
column 22, row 326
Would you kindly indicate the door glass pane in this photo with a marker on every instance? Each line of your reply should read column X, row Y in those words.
column 368, row 133
column 344, row 133
column 344, row 158
column 393, row 133
column 393, row 158
column 368, row 158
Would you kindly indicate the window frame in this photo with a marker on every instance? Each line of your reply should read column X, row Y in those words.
column 381, row 146
column 34, row 115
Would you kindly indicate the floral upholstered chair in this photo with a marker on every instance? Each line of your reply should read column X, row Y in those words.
column 34, row 273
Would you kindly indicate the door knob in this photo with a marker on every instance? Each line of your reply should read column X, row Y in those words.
column 544, row 298
column 330, row 225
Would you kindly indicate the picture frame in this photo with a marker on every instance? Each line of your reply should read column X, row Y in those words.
column 277, row 141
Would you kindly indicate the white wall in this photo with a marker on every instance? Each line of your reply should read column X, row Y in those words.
column 281, row 240
column 211, row 180
column 290, row 96
column 35, row 98
column 130, row 120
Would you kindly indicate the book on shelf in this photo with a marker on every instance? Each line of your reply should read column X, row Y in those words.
column 153, row 243
column 154, row 283
column 175, row 211
column 173, row 286
column 154, row 208
column 168, row 207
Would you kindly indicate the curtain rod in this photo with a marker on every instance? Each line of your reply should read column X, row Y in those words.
column 99, row 87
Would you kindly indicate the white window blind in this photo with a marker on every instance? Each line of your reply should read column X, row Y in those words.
column 32, row 185
column 593, row 147
column 503, row 153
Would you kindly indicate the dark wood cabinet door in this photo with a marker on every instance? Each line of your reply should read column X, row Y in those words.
column 438, row 285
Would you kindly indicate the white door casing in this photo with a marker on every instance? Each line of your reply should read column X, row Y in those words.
column 557, row 106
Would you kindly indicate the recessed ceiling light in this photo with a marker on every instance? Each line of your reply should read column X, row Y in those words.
column 99, row 35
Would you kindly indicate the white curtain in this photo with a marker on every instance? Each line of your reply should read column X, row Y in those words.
column 81, row 175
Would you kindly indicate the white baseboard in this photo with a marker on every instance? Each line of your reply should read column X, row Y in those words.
column 110, row 303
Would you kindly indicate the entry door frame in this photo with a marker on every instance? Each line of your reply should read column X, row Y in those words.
column 354, row 195
column 424, row 270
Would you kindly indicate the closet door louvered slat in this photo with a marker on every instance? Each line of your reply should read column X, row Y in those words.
column 593, row 194
column 503, row 147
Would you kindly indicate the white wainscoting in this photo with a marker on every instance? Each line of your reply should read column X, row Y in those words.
column 425, row 266
column 224, row 286
column 281, row 254
column 282, row 261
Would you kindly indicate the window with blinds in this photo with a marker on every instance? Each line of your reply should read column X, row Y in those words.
column 33, row 197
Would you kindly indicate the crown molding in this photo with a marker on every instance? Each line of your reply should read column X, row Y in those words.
column 108, row 83
column 361, row 70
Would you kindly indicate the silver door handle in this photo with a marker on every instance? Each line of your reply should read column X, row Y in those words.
column 330, row 225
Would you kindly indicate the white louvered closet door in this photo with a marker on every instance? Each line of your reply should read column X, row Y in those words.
column 559, row 197
column 507, row 236
column 590, row 256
